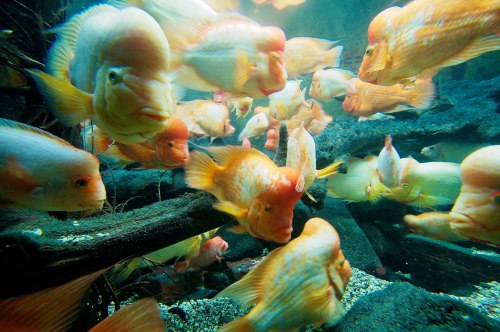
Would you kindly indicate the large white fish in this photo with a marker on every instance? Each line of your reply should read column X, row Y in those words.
column 110, row 66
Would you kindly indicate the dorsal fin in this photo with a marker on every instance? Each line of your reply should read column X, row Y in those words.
column 38, row 131
column 225, row 154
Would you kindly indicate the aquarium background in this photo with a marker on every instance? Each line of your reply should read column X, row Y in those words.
column 400, row 281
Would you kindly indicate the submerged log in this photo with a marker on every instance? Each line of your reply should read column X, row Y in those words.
column 38, row 251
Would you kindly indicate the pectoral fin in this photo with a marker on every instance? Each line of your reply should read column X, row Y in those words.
column 231, row 208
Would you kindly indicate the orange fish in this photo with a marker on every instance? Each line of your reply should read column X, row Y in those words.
column 56, row 309
column 365, row 99
column 273, row 136
column 435, row 225
column 300, row 283
column 280, row 4
column 210, row 252
column 476, row 213
column 205, row 118
column 425, row 36
column 41, row 171
column 249, row 186
column 255, row 126
column 304, row 55
column 167, row 150
column 236, row 55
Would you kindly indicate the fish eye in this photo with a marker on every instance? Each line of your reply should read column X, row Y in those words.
column 369, row 51
column 267, row 209
column 114, row 76
column 170, row 144
column 80, row 183
column 404, row 185
column 496, row 197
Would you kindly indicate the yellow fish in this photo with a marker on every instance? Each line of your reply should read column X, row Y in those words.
column 425, row 36
column 41, row 171
column 476, row 213
column 329, row 83
column 454, row 151
column 300, row 283
column 286, row 103
column 435, row 225
column 110, row 66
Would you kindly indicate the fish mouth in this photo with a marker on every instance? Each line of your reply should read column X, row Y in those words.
column 153, row 114
column 91, row 205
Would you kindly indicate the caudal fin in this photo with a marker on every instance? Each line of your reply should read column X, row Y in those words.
column 333, row 56
column 200, row 171
column 422, row 95
column 338, row 167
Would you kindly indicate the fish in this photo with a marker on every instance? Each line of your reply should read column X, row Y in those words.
column 329, row 83
column 242, row 106
column 287, row 102
column 249, row 186
column 41, row 171
column 210, row 252
column 454, row 151
column 360, row 184
column 300, row 283
column 476, row 212
column 312, row 116
column 236, row 55
column 301, row 155
column 166, row 150
column 426, row 185
column 365, row 99
column 221, row 6
column 435, row 225
column 280, row 4
column 272, row 139
column 255, row 126
column 305, row 55
column 205, row 118
column 423, row 37
column 109, row 66
column 389, row 166
column 183, row 22
column 187, row 249
column 57, row 308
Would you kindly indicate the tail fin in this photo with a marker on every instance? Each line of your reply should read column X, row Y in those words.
column 333, row 56
column 200, row 171
column 422, row 95
column 338, row 167
column 240, row 325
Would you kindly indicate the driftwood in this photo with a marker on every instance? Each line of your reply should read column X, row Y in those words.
column 38, row 251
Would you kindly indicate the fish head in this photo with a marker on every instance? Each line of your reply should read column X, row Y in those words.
column 374, row 61
column 382, row 25
column 271, row 72
column 476, row 212
column 172, row 143
column 270, row 213
column 340, row 273
column 351, row 103
column 431, row 152
column 79, row 188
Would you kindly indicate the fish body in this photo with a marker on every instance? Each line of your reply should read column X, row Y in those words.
column 424, row 36
column 301, row 155
column 205, row 118
column 366, row 99
column 242, row 106
column 295, row 285
column 166, row 150
column 44, row 172
column 454, row 151
column 255, row 126
column 329, row 83
column 272, row 139
column 110, row 66
column 435, row 225
column 210, row 252
column 360, row 184
column 56, row 309
column 236, row 55
column 280, row 4
column 286, row 103
column 389, row 165
column 304, row 55
column 427, row 184
column 249, row 186
column 476, row 213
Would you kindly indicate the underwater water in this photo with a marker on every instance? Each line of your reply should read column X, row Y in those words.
column 250, row 165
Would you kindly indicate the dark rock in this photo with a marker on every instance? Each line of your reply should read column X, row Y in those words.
column 240, row 245
column 240, row 268
column 403, row 307
column 318, row 191
column 132, row 189
column 179, row 312
column 216, row 281
column 473, row 117
column 441, row 267
column 353, row 242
